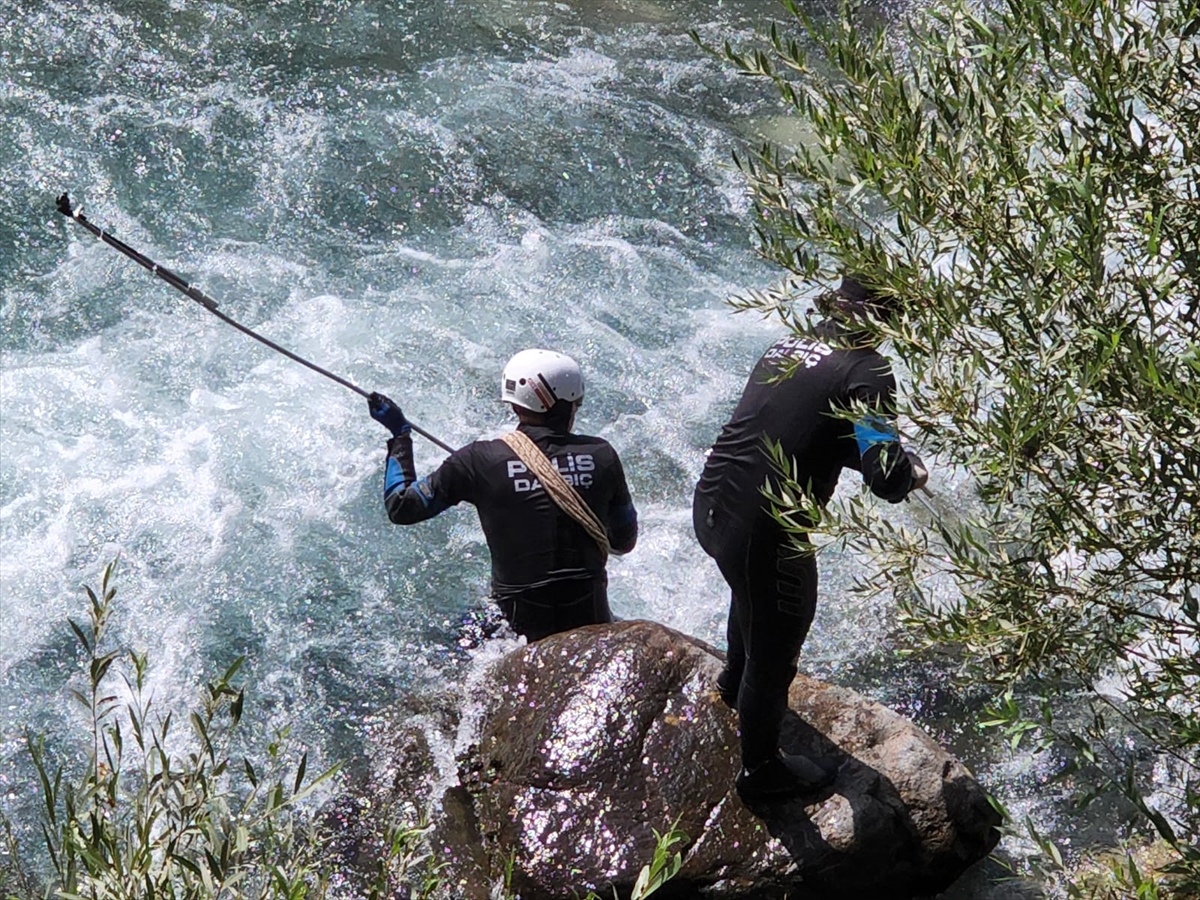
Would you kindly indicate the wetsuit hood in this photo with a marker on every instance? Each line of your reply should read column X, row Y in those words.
column 854, row 301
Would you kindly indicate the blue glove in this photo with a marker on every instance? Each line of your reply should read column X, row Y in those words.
column 388, row 414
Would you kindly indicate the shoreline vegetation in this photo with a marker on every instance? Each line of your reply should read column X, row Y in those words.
column 148, row 814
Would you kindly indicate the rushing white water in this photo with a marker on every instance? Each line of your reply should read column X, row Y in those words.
column 405, row 194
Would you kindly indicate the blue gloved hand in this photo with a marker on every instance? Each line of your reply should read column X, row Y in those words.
column 388, row 414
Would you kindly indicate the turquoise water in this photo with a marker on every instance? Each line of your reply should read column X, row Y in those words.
column 405, row 193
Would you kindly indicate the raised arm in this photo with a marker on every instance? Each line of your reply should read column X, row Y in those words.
column 407, row 499
column 890, row 471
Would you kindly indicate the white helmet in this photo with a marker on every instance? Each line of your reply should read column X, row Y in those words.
column 537, row 379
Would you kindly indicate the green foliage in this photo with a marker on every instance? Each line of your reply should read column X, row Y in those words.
column 145, row 820
column 663, row 866
column 156, row 814
column 15, row 882
column 1025, row 176
column 406, row 852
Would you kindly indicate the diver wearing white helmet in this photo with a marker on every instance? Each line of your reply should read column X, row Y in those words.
column 548, row 573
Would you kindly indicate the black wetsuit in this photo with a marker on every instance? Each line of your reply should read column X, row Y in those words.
column 773, row 586
column 548, row 574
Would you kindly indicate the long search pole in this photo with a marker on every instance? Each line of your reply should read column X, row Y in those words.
column 924, row 502
column 193, row 292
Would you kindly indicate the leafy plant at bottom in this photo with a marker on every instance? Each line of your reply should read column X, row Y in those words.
column 144, row 820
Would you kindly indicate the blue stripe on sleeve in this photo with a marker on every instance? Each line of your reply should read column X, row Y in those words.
column 872, row 431
column 393, row 478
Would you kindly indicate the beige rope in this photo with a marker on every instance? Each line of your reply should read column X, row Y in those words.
column 556, row 486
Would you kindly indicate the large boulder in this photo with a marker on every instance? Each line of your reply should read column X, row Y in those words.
column 586, row 743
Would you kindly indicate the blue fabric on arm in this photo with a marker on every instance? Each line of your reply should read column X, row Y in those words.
column 872, row 431
column 886, row 468
column 415, row 503
column 434, row 504
column 393, row 478
column 394, row 482
column 409, row 499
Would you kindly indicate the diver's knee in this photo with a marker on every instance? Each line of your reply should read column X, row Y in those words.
column 769, row 672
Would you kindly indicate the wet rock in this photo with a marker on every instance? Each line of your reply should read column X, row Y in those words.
column 588, row 742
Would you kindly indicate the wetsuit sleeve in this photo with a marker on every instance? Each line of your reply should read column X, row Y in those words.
column 622, row 525
column 408, row 499
column 886, row 468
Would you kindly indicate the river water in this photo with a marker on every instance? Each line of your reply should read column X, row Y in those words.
column 405, row 193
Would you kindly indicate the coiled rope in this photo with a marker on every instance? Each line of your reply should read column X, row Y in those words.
column 556, row 486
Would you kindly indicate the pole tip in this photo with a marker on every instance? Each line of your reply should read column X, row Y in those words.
column 64, row 204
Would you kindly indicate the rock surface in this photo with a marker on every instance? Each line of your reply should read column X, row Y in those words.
column 588, row 742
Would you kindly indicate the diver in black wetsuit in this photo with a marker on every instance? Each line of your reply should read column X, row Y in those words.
column 773, row 587
column 548, row 574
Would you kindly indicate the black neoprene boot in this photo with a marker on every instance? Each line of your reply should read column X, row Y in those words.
column 786, row 775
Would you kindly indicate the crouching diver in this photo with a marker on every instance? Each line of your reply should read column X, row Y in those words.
column 792, row 398
column 552, row 504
